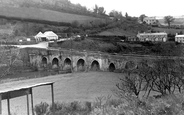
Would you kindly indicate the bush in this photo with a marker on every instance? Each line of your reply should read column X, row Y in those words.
column 42, row 108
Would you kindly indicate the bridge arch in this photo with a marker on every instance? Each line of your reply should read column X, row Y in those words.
column 130, row 65
column 55, row 63
column 95, row 66
column 67, row 64
column 44, row 62
column 112, row 67
column 80, row 65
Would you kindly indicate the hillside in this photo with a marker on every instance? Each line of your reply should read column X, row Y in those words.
column 24, row 13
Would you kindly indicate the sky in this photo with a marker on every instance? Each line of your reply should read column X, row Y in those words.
column 138, row 7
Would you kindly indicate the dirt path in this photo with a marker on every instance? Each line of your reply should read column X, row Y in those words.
column 67, row 88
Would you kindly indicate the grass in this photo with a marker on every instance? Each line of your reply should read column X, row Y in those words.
column 168, row 30
column 168, row 105
column 42, row 14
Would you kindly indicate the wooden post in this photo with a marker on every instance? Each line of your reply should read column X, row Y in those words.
column 52, row 90
column 27, row 95
column 32, row 101
column 8, row 103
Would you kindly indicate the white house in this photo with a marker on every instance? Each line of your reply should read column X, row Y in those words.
column 154, row 37
column 47, row 36
column 40, row 37
column 50, row 35
column 179, row 38
column 150, row 20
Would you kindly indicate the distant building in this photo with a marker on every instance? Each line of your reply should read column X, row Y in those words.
column 154, row 37
column 132, row 38
column 179, row 38
column 40, row 37
column 50, row 35
column 47, row 36
column 150, row 20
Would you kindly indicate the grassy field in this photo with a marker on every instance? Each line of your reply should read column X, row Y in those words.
column 67, row 88
column 168, row 30
column 42, row 14
column 177, row 21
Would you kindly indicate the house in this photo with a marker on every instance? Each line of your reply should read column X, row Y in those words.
column 50, row 35
column 47, row 36
column 154, row 37
column 179, row 38
column 40, row 37
column 150, row 20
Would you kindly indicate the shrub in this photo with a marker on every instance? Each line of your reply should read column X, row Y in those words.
column 42, row 108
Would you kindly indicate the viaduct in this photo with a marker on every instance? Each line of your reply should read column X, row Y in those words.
column 83, row 60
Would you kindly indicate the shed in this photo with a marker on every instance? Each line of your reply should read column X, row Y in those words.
column 40, row 37
column 50, row 35
column 24, row 90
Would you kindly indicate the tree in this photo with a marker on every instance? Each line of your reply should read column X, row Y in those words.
column 101, row 11
column 95, row 10
column 131, row 84
column 126, row 15
column 168, row 20
column 116, row 14
column 141, row 17
column 163, row 76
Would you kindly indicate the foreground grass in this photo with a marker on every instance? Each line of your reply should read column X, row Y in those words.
column 129, row 105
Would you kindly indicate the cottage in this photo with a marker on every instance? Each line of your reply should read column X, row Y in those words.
column 179, row 38
column 50, row 35
column 150, row 20
column 47, row 36
column 154, row 37
column 40, row 37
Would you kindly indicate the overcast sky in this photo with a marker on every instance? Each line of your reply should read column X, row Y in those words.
column 138, row 7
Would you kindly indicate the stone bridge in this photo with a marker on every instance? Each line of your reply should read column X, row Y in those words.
column 83, row 60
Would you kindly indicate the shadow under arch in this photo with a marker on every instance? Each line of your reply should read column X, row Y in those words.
column 80, row 65
column 112, row 67
column 67, row 64
column 55, row 63
column 44, row 62
column 95, row 66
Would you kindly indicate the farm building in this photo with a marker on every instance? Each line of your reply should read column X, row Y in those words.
column 47, row 36
column 179, row 38
column 40, row 37
column 154, row 37
column 50, row 35
column 150, row 20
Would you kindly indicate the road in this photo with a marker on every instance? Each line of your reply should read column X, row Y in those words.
column 67, row 88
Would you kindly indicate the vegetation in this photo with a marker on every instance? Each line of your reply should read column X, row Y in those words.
column 141, row 17
column 164, row 76
column 168, row 20
column 125, row 105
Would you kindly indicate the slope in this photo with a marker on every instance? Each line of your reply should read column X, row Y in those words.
column 23, row 13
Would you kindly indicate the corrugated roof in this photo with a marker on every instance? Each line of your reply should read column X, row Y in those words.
column 23, row 87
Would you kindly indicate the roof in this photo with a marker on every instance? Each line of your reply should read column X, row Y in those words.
column 19, row 89
column 40, row 34
column 161, row 33
column 50, row 33
column 179, row 36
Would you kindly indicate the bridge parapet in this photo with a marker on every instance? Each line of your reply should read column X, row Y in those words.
column 85, row 60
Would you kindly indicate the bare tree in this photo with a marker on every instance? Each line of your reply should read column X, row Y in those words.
column 164, row 77
column 132, row 83
column 168, row 20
